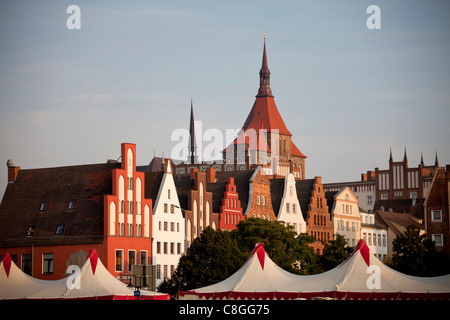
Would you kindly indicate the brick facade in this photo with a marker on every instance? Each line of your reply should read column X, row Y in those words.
column 318, row 219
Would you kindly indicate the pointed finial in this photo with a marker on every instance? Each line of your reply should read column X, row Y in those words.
column 191, row 97
column 390, row 154
column 436, row 161
column 421, row 158
column 265, row 35
column 404, row 155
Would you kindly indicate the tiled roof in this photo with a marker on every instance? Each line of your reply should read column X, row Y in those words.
column 21, row 204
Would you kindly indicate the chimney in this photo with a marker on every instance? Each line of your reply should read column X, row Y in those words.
column 192, row 173
column 12, row 171
column 210, row 175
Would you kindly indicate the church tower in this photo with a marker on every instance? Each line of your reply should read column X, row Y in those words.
column 264, row 136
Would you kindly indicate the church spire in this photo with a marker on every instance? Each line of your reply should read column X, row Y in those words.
column 192, row 144
column 436, row 161
column 264, row 76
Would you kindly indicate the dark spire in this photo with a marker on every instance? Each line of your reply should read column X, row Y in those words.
column 405, row 157
column 264, row 76
column 390, row 155
column 421, row 158
column 192, row 144
column 436, row 161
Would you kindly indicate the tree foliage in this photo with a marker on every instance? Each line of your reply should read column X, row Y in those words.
column 415, row 254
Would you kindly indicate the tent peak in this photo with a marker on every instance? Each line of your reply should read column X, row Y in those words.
column 93, row 257
column 260, row 252
column 363, row 248
column 7, row 261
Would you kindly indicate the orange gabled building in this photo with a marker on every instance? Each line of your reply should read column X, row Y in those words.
column 52, row 217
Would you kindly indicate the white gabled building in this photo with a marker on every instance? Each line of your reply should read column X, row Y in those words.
column 346, row 216
column 168, row 227
column 289, row 210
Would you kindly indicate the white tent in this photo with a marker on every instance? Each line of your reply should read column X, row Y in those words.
column 95, row 282
column 361, row 276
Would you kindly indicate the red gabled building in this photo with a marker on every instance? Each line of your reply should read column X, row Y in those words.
column 230, row 210
column 52, row 217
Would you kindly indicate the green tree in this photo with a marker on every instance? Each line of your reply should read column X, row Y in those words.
column 334, row 253
column 211, row 258
column 415, row 254
column 281, row 243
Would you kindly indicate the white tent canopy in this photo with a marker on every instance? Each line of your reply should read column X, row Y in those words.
column 361, row 276
column 95, row 282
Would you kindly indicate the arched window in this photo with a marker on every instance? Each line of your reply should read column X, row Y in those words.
column 263, row 201
column 259, row 200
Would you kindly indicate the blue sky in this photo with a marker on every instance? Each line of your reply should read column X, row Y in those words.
column 346, row 93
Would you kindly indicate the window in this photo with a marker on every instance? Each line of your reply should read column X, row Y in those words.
column 158, row 247
column 44, row 206
column 165, row 207
column 384, row 196
column 172, row 226
column 293, row 208
column 178, row 248
column 131, row 259
column 72, row 204
column 165, row 248
column 384, row 240
column 59, row 229
column 437, row 238
column 165, row 225
column 168, row 193
column 47, row 267
column 172, row 208
column 436, row 215
column 259, row 200
column 26, row 264
column 379, row 239
column 172, row 248
column 369, row 199
column 119, row 260
column 263, row 201
column 287, row 208
column 144, row 257
column 158, row 271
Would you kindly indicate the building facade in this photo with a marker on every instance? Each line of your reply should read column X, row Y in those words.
column 437, row 208
column 168, row 224
column 67, row 211
column 346, row 217
column 289, row 209
column 374, row 234
column 398, row 182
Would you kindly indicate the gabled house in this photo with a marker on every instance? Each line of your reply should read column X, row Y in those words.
column 54, row 216
column 168, row 222
column 314, row 207
column 345, row 215
column 286, row 204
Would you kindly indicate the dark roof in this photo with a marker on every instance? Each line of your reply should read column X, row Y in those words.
column 304, row 190
column 20, row 207
column 329, row 195
column 152, row 184
column 401, row 206
column 183, row 183
column 276, row 193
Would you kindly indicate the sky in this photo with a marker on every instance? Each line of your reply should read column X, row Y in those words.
column 347, row 93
